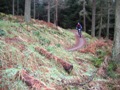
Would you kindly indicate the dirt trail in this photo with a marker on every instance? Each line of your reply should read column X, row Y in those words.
column 79, row 42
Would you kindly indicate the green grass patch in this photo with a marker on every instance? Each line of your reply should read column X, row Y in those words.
column 58, row 45
column 96, row 61
column 111, row 69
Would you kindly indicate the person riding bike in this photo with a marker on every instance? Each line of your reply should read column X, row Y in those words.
column 79, row 28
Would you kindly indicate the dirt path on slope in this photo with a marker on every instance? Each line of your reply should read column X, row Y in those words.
column 79, row 42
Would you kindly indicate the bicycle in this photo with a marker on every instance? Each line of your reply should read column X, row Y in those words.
column 79, row 32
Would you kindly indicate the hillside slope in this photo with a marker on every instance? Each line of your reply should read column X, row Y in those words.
column 34, row 56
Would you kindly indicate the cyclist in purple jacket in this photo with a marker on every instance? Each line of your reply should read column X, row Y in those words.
column 79, row 28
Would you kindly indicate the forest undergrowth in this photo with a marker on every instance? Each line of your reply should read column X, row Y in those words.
column 33, row 56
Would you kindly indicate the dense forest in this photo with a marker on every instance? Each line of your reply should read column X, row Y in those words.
column 66, row 13
column 59, row 44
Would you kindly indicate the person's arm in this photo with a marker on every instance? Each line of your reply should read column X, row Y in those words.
column 81, row 27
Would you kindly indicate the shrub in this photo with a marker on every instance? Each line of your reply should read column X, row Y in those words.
column 2, row 32
column 36, row 33
column 58, row 45
column 111, row 69
column 50, row 48
column 97, row 61
column 44, row 41
column 2, row 15
column 101, row 53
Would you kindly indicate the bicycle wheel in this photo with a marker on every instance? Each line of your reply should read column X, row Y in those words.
column 79, row 33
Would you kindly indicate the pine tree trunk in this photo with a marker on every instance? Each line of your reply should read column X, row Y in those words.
column 17, row 7
column 27, row 13
column 116, row 45
column 34, row 10
column 108, row 21
column 93, row 18
column 56, row 12
column 48, row 10
column 13, row 7
column 100, row 30
column 54, row 19
column 84, row 16
column 101, row 20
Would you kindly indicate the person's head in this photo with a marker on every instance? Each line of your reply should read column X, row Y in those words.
column 78, row 23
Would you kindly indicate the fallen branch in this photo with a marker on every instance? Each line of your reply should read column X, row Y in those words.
column 31, row 81
column 67, row 66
